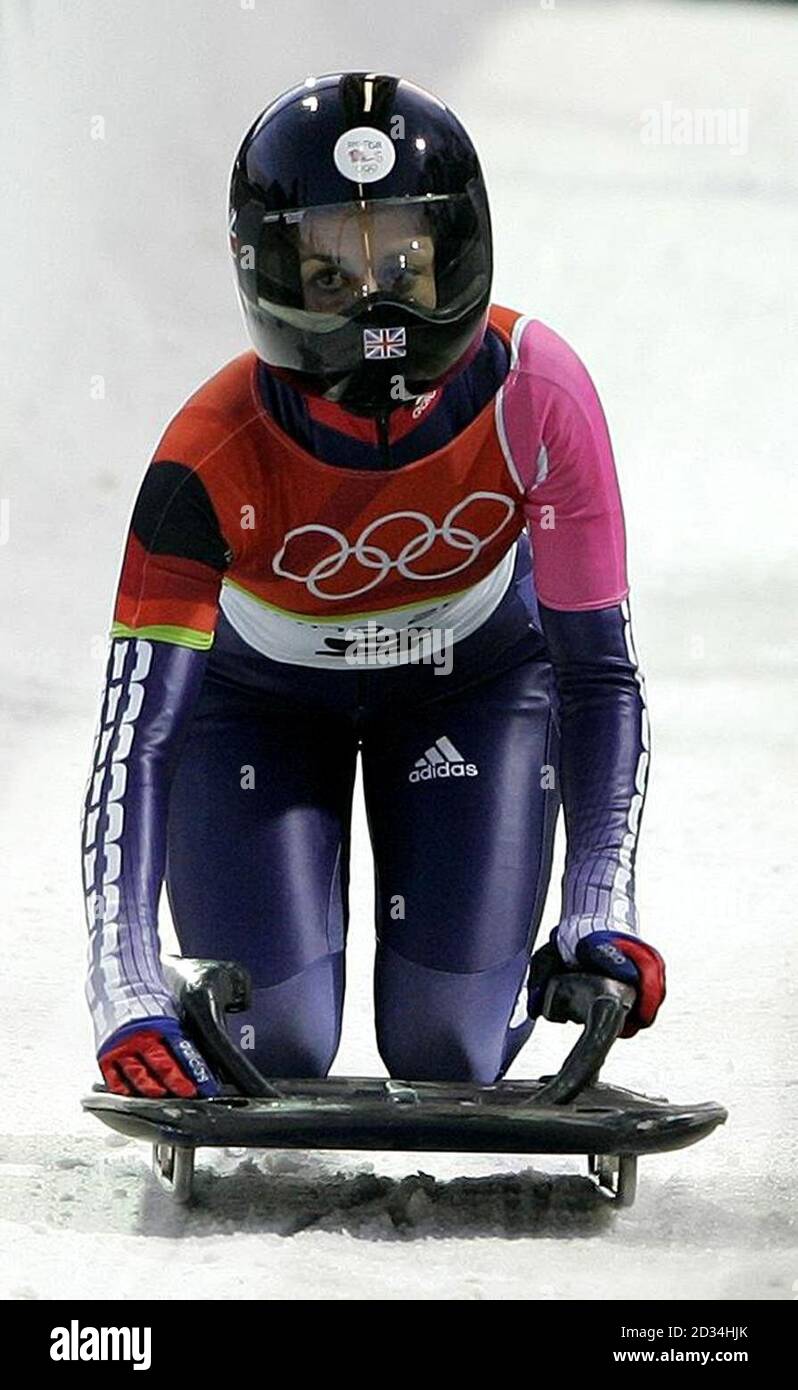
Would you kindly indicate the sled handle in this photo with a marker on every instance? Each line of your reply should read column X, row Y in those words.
column 206, row 990
column 601, row 1005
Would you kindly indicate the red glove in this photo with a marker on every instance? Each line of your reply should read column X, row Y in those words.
column 624, row 957
column 154, row 1059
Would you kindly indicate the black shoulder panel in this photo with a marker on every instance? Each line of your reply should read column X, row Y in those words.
column 174, row 515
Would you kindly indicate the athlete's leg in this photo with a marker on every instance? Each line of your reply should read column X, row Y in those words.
column 462, row 803
column 258, row 865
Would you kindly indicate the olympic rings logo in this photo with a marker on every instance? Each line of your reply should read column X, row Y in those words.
column 373, row 557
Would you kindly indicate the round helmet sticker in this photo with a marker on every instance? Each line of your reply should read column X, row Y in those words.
column 364, row 154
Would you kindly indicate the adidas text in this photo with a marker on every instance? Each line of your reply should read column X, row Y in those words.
column 442, row 760
column 427, row 774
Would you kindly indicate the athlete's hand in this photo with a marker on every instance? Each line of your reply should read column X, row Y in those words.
column 622, row 956
column 154, row 1058
column 619, row 955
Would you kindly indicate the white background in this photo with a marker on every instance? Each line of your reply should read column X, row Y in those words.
column 671, row 270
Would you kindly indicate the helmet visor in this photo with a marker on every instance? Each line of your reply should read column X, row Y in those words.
column 318, row 267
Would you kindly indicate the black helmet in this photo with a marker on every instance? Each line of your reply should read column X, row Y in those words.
column 360, row 230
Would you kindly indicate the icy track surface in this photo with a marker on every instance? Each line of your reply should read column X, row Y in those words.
column 672, row 271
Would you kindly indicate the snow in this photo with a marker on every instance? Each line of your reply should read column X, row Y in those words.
column 672, row 270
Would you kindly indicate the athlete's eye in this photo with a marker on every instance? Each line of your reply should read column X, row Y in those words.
column 406, row 270
column 329, row 279
column 405, row 274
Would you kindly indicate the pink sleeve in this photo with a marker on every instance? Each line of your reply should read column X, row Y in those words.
column 557, row 444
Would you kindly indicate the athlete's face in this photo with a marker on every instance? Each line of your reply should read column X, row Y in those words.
column 349, row 253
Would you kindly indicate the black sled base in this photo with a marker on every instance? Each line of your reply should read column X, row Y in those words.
column 570, row 1113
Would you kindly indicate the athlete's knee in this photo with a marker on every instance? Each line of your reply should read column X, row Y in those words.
column 432, row 1053
column 435, row 1025
column 292, row 1029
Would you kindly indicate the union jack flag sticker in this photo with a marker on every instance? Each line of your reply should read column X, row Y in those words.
column 384, row 342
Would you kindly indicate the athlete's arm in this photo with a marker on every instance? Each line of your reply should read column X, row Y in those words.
column 164, row 622
column 603, row 764
column 576, row 530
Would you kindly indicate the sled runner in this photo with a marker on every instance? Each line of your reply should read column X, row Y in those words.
column 571, row 1112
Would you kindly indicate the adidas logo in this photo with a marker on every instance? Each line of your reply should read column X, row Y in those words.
column 442, row 760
